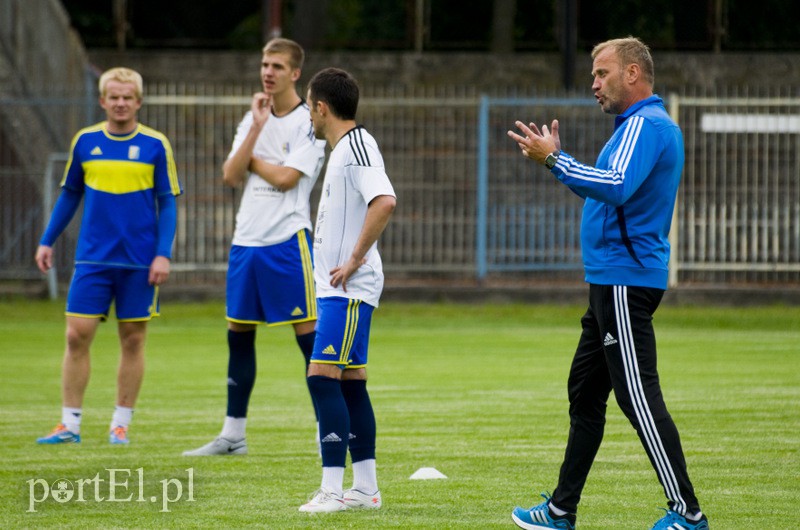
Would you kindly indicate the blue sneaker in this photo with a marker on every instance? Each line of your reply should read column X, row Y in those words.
column 118, row 435
column 675, row 521
column 60, row 435
column 540, row 516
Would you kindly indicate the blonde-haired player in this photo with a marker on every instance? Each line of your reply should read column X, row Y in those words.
column 125, row 173
column 270, row 270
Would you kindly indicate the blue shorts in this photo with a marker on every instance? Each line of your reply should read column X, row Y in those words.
column 273, row 284
column 342, row 332
column 93, row 288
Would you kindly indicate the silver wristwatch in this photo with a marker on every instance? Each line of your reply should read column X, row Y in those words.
column 551, row 160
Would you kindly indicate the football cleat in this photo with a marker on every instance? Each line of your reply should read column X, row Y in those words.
column 324, row 501
column 118, row 435
column 357, row 499
column 60, row 435
column 220, row 446
column 540, row 516
column 675, row 521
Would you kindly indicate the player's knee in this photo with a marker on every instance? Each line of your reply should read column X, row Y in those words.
column 78, row 340
column 132, row 342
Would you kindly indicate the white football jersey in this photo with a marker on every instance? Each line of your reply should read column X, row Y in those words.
column 354, row 176
column 268, row 216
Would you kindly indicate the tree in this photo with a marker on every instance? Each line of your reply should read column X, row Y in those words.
column 309, row 22
column 503, row 26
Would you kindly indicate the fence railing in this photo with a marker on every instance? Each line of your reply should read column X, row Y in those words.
column 526, row 221
column 739, row 200
column 738, row 214
column 45, row 95
column 469, row 205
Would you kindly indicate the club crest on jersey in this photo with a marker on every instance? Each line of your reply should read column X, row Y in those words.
column 286, row 148
column 133, row 152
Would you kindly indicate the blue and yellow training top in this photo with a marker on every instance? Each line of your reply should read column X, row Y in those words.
column 121, row 178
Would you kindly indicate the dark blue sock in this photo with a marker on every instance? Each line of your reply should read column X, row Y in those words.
column 362, row 420
column 334, row 421
column 306, row 343
column 241, row 371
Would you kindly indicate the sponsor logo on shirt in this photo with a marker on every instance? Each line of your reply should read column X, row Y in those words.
column 265, row 190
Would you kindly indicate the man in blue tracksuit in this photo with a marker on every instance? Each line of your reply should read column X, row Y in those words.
column 629, row 199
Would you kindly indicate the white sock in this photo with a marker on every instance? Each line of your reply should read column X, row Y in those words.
column 234, row 428
column 71, row 418
column 695, row 517
column 557, row 511
column 332, row 478
column 365, row 477
column 122, row 417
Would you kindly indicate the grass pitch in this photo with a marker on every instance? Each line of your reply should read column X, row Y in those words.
column 476, row 391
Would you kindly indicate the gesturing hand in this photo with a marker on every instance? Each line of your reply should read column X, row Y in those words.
column 536, row 144
column 261, row 106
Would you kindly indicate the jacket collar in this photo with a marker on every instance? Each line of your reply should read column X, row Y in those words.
column 655, row 99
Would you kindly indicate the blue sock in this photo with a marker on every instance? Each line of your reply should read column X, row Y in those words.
column 334, row 421
column 362, row 420
column 241, row 371
column 306, row 343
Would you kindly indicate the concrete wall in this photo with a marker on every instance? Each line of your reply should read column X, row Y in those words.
column 40, row 57
column 493, row 74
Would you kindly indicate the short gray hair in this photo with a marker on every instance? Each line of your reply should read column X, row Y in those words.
column 630, row 50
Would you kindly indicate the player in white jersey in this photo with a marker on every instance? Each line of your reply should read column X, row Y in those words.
column 356, row 204
column 270, row 270
column 354, row 175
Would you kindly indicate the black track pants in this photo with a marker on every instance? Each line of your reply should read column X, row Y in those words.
column 617, row 349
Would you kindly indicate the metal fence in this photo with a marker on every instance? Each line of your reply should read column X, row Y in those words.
column 527, row 222
column 44, row 86
column 428, row 141
column 738, row 213
column 428, row 145
column 468, row 205
column 739, row 201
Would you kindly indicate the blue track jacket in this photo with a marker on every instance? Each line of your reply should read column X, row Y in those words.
column 629, row 197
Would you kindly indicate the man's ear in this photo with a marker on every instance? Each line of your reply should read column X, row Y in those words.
column 633, row 72
column 296, row 74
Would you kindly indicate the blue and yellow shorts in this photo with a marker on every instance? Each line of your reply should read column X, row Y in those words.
column 94, row 287
column 273, row 284
column 342, row 332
